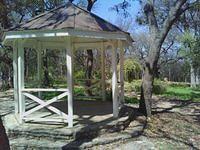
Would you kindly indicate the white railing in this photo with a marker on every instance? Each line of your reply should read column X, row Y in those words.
column 44, row 104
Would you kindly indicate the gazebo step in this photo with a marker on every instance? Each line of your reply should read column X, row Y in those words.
column 36, row 131
column 30, row 144
column 39, row 134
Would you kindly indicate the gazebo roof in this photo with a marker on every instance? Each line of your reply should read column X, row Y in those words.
column 68, row 16
column 64, row 21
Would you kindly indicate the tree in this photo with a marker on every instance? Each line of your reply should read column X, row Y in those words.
column 160, row 17
column 89, row 58
column 191, row 53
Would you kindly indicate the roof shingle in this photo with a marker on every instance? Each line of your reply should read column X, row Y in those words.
column 68, row 16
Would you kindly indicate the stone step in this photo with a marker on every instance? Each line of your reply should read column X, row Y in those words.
column 36, row 131
column 35, row 144
column 39, row 134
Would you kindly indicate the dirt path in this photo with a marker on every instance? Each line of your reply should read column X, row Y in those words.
column 174, row 125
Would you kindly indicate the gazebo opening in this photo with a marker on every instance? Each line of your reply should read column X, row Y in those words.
column 58, row 42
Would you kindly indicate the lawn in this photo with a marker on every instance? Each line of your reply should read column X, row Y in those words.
column 182, row 93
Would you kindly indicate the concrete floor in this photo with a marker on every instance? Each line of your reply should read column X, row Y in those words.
column 85, row 112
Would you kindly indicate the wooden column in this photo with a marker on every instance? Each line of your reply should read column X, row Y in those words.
column 121, row 73
column 39, row 65
column 15, row 77
column 69, row 59
column 114, row 83
column 103, row 78
column 20, row 62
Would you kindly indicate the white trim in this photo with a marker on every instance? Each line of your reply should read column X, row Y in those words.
column 114, row 83
column 69, row 64
column 21, row 79
column 10, row 35
column 43, row 90
column 61, row 120
column 15, row 77
column 45, row 104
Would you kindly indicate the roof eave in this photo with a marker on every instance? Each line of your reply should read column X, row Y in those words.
column 12, row 35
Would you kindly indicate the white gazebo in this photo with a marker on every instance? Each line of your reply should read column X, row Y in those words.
column 66, row 27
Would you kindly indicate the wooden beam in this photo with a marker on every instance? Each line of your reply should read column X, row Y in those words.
column 114, row 83
column 46, row 104
column 69, row 63
column 43, row 90
column 21, row 80
column 15, row 77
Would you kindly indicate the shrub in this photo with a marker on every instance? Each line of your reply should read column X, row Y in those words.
column 159, row 87
column 178, row 84
column 132, row 70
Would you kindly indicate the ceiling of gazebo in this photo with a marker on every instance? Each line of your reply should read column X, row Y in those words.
column 68, row 16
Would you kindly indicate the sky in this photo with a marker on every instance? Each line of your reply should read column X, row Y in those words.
column 103, row 9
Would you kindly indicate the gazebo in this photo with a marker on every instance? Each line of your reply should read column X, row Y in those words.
column 67, row 27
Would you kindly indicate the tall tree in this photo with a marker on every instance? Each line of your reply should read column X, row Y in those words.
column 160, row 17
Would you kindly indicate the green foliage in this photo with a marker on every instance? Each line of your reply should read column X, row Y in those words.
column 190, row 48
column 159, row 87
column 79, row 74
column 178, row 84
column 132, row 70
column 131, row 100
column 183, row 93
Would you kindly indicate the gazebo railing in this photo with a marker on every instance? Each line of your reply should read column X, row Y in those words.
column 44, row 104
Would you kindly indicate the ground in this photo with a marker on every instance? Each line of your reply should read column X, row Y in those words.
column 175, row 124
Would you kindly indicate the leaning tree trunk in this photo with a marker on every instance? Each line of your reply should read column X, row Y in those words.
column 146, row 91
column 88, row 73
column 46, row 81
column 149, row 71
column 4, row 143
column 89, row 65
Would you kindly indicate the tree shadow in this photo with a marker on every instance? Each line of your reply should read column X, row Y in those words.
column 107, row 126
column 180, row 104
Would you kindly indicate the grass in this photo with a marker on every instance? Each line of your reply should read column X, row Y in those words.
column 183, row 93
column 131, row 100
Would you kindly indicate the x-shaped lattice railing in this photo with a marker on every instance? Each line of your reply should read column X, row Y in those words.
column 45, row 104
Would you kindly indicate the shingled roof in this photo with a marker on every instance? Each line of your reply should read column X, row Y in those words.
column 68, row 16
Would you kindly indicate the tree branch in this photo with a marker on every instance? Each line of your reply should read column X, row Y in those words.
column 174, row 14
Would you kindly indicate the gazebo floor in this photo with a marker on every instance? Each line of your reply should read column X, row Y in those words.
column 92, row 119
column 88, row 116
column 85, row 113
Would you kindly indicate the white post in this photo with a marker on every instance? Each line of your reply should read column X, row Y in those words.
column 114, row 83
column 15, row 77
column 121, row 73
column 69, row 59
column 103, row 78
column 39, row 65
column 21, row 80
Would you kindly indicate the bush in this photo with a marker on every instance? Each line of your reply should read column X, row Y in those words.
column 133, row 86
column 178, row 84
column 132, row 70
column 159, row 87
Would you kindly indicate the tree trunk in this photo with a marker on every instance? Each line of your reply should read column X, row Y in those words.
column 89, row 64
column 88, row 73
column 4, row 142
column 46, row 81
column 146, row 91
column 192, row 76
